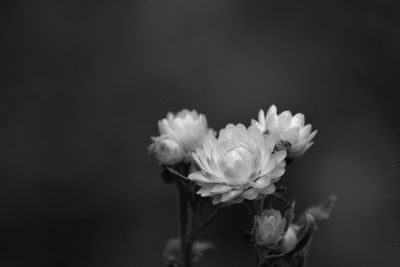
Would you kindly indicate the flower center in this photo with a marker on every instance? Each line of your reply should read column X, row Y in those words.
column 236, row 163
column 236, row 156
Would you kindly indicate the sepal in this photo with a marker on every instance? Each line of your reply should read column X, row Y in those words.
column 289, row 214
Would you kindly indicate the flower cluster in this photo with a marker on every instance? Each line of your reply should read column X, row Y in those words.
column 241, row 163
column 238, row 164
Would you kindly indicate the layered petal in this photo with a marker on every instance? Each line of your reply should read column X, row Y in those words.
column 293, row 135
column 240, row 164
column 269, row 228
column 188, row 129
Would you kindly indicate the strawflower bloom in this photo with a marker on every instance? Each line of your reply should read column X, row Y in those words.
column 239, row 165
column 269, row 228
column 180, row 135
column 296, row 138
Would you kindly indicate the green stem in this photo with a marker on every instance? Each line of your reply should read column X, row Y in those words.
column 189, row 207
column 256, row 207
column 208, row 220
column 186, row 240
column 258, row 262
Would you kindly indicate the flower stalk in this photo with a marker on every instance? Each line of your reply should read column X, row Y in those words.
column 185, row 226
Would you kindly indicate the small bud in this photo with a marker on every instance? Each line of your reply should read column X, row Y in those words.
column 290, row 239
column 167, row 151
column 269, row 228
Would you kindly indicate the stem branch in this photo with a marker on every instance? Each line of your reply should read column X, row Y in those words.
column 208, row 220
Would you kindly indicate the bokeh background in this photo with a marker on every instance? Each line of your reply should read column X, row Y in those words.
column 83, row 83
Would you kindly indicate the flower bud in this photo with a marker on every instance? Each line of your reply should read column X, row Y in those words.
column 180, row 135
column 269, row 228
column 290, row 238
column 167, row 151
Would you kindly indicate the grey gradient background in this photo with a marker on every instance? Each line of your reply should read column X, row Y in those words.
column 83, row 83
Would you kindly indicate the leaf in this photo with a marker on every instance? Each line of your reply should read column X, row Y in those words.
column 172, row 252
column 289, row 214
column 322, row 211
column 305, row 235
column 199, row 248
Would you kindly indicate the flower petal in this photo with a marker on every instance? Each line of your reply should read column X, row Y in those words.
column 230, row 195
column 291, row 135
column 250, row 194
column 261, row 182
column 199, row 177
column 298, row 120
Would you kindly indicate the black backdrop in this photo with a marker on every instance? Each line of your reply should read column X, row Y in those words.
column 83, row 84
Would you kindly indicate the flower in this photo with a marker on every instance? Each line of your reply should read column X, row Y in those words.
column 239, row 165
column 269, row 228
column 296, row 138
column 180, row 135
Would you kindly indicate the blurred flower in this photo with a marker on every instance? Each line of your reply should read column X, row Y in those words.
column 172, row 251
column 323, row 210
column 180, row 135
column 269, row 228
column 296, row 138
column 239, row 165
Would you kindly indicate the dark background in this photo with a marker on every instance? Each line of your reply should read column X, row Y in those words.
column 83, row 84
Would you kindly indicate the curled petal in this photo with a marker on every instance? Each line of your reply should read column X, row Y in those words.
column 230, row 195
column 199, row 177
column 261, row 182
column 250, row 194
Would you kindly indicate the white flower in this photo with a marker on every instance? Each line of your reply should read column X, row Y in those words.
column 296, row 138
column 269, row 228
column 239, row 165
column 180, row 135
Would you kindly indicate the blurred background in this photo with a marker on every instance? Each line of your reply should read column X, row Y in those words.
column 83, row 84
